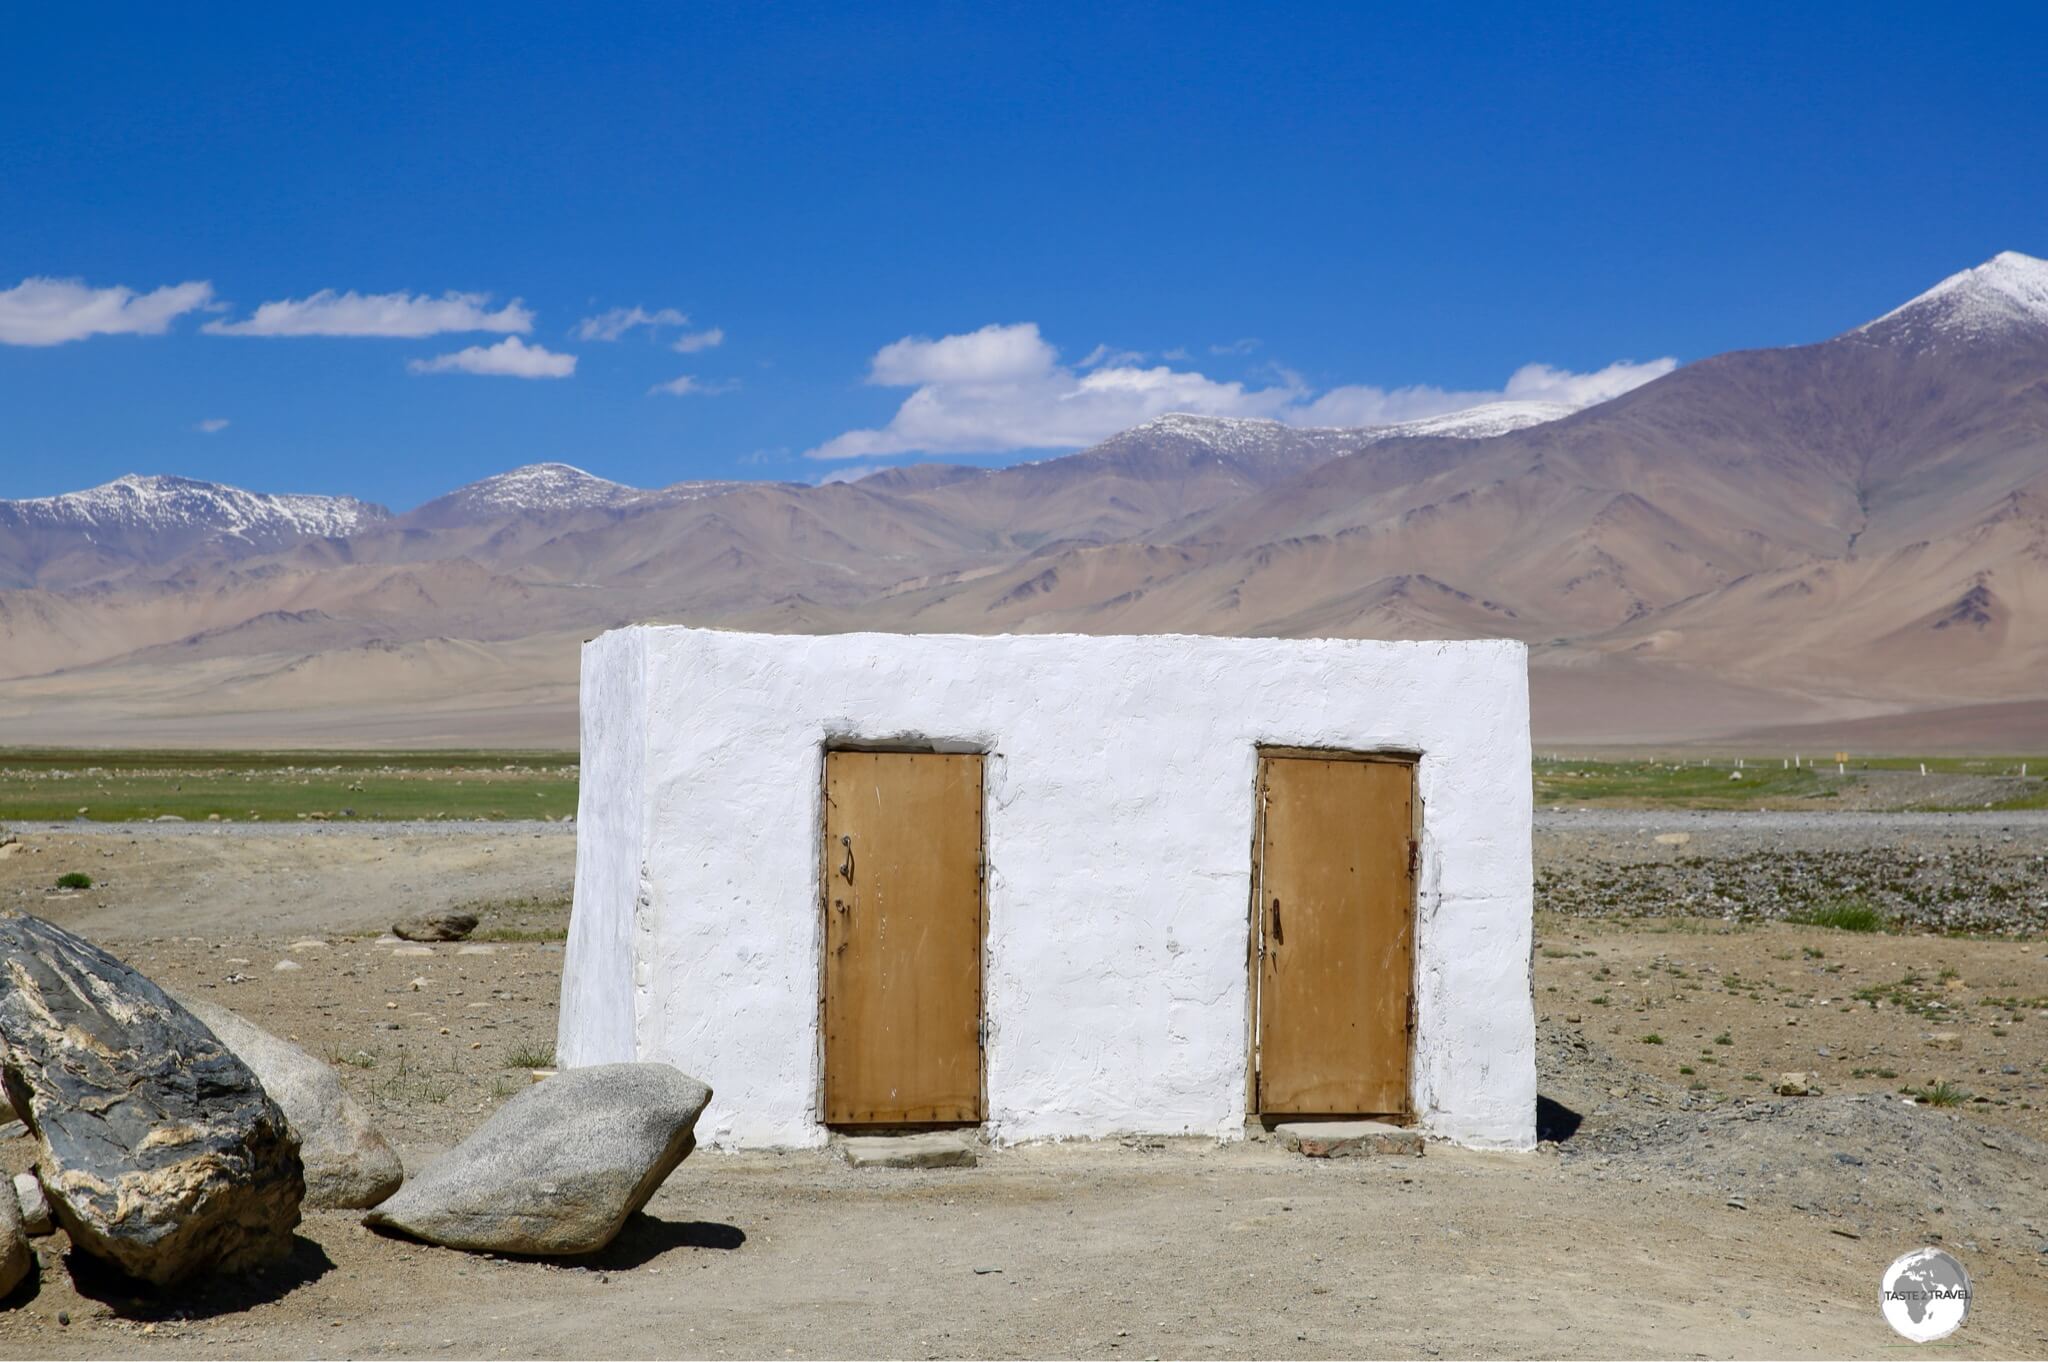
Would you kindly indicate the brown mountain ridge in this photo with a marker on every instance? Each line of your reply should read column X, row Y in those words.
column 1847, row 532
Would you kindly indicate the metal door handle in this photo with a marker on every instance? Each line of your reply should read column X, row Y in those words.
column 846, row 868
column 1279, row 938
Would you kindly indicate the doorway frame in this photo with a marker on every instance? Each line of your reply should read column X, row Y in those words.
column 1411, row 757
column 907, row 745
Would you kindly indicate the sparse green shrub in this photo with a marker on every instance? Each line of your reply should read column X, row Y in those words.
column 531, row 1057
column 1941, row 1094
column 1653, row 1039
column 74, row 879
column 1843, row 915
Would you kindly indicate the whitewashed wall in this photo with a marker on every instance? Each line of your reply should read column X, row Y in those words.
column 1119, row 789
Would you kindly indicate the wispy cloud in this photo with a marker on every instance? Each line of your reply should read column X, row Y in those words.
column 709, row 339
column 609, row 326
column 1244, row 345
column 40, row 311
column 213, row 425
column 1003, row 388
column 689, row 385
column 1364, row 405
column 403, row 315
column 509, row 358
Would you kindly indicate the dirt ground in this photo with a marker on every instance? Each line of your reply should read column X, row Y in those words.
column 1667, row 1213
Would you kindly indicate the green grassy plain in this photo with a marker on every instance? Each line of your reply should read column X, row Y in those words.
column 56, row 785
column 127, row 786
column 1766, row 783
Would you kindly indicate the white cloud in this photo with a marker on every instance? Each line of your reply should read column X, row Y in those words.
column 609, row 326
column 405, row 315
column 510, row 357
column 689, row 385
column 709, row 339
column 1003, row 388
column 52, row 311
column 1244, row 345
column 213, row 425
column 1364, row 405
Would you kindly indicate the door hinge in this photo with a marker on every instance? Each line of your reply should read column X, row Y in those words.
column 1411, row 1014
column 981, row 1033
column 1414, row 856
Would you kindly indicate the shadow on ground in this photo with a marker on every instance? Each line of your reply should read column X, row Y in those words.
column 1555, row 1120
column 206, row 1298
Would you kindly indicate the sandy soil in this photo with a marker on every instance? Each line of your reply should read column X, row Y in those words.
column 1660, row 1217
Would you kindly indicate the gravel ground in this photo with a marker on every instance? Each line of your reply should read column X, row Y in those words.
column 1978, row 872
column 1678, row 1207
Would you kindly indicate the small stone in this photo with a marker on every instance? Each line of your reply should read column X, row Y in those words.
column 1737, row 1203
column 1794, row 1085
column 442, row 926
column 476, row 950
column 35, row 1207
column 1945, row 1040
column 412, row 950
column 286, row 967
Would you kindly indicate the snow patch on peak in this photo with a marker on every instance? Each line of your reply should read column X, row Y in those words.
column 1476, row 423
column 543, row 487
column 2006, row 294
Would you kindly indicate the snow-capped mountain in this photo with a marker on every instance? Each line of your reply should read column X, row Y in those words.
column 159, row 504
column 537, row 489
column 2007, row 295
column 83, row 537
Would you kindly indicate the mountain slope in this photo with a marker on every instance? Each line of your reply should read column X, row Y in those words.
column 1807, row 535
column 143, row 522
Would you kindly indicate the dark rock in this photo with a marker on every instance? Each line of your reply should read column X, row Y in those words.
column 159, row 1150
column 347, row 1163
column 557, row 1169
column 436, row 927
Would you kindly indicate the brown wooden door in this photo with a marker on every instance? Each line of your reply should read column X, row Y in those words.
column 903, row 938
column 1334, row 936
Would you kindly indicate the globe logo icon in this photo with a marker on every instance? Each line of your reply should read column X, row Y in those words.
column 1926, row 1294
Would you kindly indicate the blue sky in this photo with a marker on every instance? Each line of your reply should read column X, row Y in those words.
column 1285, row 211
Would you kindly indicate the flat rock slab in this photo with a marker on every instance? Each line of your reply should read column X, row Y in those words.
column 926, row 1149
column 159, row 1151
column 1348, row 1139
column 558, row 1168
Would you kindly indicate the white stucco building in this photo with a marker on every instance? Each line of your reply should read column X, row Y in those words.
column 1057, row 886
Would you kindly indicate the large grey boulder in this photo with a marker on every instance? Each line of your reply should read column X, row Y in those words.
column 159, row 1150
column 559, row 1167
column 347, row 1162
column 15, row 1257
